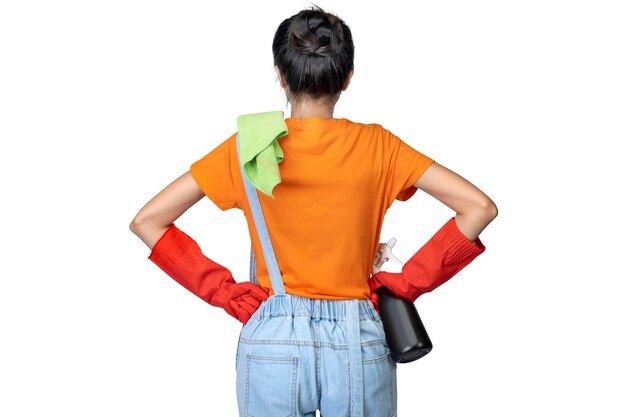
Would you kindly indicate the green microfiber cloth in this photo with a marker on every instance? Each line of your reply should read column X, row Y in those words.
column 259, row 151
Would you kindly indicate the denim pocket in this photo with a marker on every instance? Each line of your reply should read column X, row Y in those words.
column 271, row 385
column 377, row 381
column 378, row 372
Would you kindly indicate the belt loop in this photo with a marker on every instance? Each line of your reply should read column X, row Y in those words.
column 316, row 308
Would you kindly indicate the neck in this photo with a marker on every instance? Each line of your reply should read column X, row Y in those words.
column 307, row 108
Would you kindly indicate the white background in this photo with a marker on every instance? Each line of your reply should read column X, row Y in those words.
column 103, row 104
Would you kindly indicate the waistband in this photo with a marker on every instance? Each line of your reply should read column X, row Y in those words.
column 315, row 308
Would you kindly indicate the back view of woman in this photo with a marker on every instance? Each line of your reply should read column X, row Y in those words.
column 312, row 337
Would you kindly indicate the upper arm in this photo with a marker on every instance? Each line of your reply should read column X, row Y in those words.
column 452, row 189
column 218, row 174
column 403, row 165
column 211, row 176
column 171, row 202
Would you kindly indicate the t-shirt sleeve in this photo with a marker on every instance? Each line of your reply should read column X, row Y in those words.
column 215, row 174
column 405, row 166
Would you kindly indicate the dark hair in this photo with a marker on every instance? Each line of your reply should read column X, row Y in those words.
column 314, row 52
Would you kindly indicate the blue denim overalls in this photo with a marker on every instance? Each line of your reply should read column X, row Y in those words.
column 296, row 355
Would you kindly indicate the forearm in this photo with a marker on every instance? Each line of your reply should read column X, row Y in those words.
column 180, row 257
column 447, row 252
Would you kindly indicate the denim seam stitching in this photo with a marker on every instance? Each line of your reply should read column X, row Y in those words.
column 307, row 343
column 247, row 382
column 389, row 377
column 377, row 359
column 349, row 387
column 293, row 386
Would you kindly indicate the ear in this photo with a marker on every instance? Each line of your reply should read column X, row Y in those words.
column 283, row 84
column 347, row 83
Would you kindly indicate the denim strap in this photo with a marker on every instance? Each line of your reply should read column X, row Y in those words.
column 266, row 244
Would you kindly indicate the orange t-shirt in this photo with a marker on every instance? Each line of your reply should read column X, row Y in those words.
column 338, row 178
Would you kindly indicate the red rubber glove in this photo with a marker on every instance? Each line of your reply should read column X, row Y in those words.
column 445, row 254
column 180, row 257
column 374, row 299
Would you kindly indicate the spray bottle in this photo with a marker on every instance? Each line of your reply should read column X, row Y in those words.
column 405, row 332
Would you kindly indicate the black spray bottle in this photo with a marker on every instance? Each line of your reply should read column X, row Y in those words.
column 406, row 335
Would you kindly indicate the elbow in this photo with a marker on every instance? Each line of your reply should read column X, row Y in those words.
column 489, row 209
column 485, row 210
column 134, row 225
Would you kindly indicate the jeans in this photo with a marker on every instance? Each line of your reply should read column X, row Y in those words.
column 296, row 355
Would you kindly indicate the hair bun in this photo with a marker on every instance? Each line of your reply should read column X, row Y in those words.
column 314, row 32
column 322, row 30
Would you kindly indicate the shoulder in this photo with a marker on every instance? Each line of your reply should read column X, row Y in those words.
column 374, row 129
column 228, row 146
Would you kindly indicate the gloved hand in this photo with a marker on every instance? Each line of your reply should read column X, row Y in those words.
column 445, row 254
column 180, row 257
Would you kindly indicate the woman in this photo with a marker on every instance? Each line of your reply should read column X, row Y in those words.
column 312, row 337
